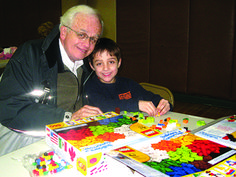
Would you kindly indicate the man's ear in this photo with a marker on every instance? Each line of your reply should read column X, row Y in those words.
column 119, row 63
column 91, row 66
column 63, row 32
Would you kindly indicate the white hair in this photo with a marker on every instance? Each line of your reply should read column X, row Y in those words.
column 68, row 17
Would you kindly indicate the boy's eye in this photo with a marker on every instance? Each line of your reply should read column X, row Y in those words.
column 98, row 64
column 112, row 62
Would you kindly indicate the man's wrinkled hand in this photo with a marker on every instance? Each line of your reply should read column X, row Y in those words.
column 86, row 111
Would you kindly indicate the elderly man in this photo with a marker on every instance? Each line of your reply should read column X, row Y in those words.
column 43, row 81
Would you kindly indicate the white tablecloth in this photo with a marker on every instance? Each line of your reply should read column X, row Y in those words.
column 11, row 165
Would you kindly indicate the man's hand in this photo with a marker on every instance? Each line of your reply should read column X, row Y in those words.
column 86, row 111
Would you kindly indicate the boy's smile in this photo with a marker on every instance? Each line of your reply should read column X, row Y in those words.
column 106, row 66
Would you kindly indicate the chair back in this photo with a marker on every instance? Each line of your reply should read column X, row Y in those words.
column 160, row 90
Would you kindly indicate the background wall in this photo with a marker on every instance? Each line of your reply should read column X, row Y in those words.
column 21, row 19
column 187, row 46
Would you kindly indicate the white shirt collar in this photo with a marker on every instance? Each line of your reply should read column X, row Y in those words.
column 73, row 66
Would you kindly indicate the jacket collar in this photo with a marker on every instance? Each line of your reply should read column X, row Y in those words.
column 51, row 49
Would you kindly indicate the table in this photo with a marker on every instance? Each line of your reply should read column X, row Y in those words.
column 10, row 164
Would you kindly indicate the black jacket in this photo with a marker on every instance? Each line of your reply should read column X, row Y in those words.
column 34, row 65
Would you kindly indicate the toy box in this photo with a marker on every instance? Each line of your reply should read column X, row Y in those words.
column 84, row 142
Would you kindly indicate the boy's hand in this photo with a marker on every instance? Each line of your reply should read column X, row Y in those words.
column 86, row 111
column 148, row 107
column 163, row 107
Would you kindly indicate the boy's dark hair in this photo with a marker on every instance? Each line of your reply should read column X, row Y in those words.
column 106, row 44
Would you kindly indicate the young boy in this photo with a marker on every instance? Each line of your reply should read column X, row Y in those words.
column 108, row 91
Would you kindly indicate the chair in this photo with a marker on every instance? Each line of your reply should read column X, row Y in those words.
column 160, row 90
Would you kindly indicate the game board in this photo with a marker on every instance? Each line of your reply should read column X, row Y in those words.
column 173, row 155
column 222, row 132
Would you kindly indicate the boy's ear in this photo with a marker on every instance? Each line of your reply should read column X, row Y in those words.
column 91, row 66
column 119, row 63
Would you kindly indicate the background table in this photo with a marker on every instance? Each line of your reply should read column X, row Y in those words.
column 11, row 164
column 192, row 120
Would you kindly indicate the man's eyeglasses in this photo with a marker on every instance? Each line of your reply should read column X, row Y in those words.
column 84, row 36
